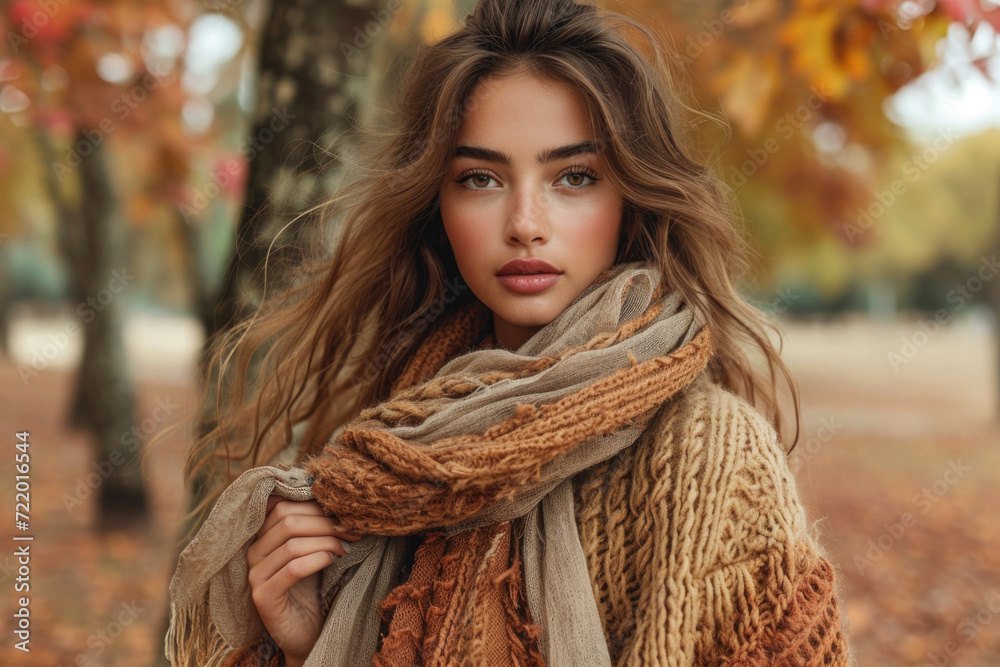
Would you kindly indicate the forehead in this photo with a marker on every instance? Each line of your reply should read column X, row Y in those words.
column 522, row 109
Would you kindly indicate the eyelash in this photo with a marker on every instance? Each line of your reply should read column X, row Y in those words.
column 575, row 169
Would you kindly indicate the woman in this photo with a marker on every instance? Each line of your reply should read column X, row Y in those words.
column 527, row 431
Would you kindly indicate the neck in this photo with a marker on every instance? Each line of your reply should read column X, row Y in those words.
column 511, row 336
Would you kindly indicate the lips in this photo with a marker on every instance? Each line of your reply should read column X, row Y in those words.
column 529, row 283
column 528, row 275
column 527, row 265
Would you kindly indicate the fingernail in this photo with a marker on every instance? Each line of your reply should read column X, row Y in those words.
column 333, row 556
column 346, row 545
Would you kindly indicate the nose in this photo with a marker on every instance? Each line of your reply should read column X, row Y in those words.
column 527, row 223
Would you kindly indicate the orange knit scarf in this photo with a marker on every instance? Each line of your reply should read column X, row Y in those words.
column 465, row 598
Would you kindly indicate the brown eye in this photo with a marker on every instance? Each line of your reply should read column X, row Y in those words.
column 475, row 181
column 577, row 179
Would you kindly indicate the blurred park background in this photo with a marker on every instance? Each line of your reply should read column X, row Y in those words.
column 139, row 139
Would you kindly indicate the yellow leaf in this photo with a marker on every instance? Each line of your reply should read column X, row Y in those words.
column 753, row 13
column 929, row 30
column 810, row 36
column 746, row 89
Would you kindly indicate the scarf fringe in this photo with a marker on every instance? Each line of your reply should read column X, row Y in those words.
column 192, row 639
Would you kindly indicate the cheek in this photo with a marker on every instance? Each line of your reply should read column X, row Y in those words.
column 598, row 232
column 465, row 241
column 463, row 247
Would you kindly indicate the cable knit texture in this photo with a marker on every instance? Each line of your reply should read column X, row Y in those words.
column 699, row 549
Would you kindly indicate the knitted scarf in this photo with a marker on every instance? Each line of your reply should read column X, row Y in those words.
column 476, row 448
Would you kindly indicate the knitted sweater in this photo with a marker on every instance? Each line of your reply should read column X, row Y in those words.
column 700, row 526
column 738, row 576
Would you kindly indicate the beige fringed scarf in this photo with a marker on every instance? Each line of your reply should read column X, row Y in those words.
column 491, row 437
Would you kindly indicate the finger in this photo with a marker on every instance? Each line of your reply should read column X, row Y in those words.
column 296, row 525
column 292, row 550
column 269, row 595
column 272, row 500
column 283, row 507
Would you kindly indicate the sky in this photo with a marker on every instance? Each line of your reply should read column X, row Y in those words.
column 954, row 94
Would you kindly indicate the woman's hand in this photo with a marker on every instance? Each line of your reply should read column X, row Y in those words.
column 296, row 541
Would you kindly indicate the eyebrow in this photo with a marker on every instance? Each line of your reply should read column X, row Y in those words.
column 544, row 157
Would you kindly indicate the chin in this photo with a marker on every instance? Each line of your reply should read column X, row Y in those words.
column 537, row 316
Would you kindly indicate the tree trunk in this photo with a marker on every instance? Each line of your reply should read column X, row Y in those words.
column 104, row 401
column 314, row 75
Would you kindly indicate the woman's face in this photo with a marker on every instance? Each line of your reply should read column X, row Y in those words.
column 524, row 184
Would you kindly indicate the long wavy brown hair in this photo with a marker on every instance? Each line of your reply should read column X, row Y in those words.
column 319, row 351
